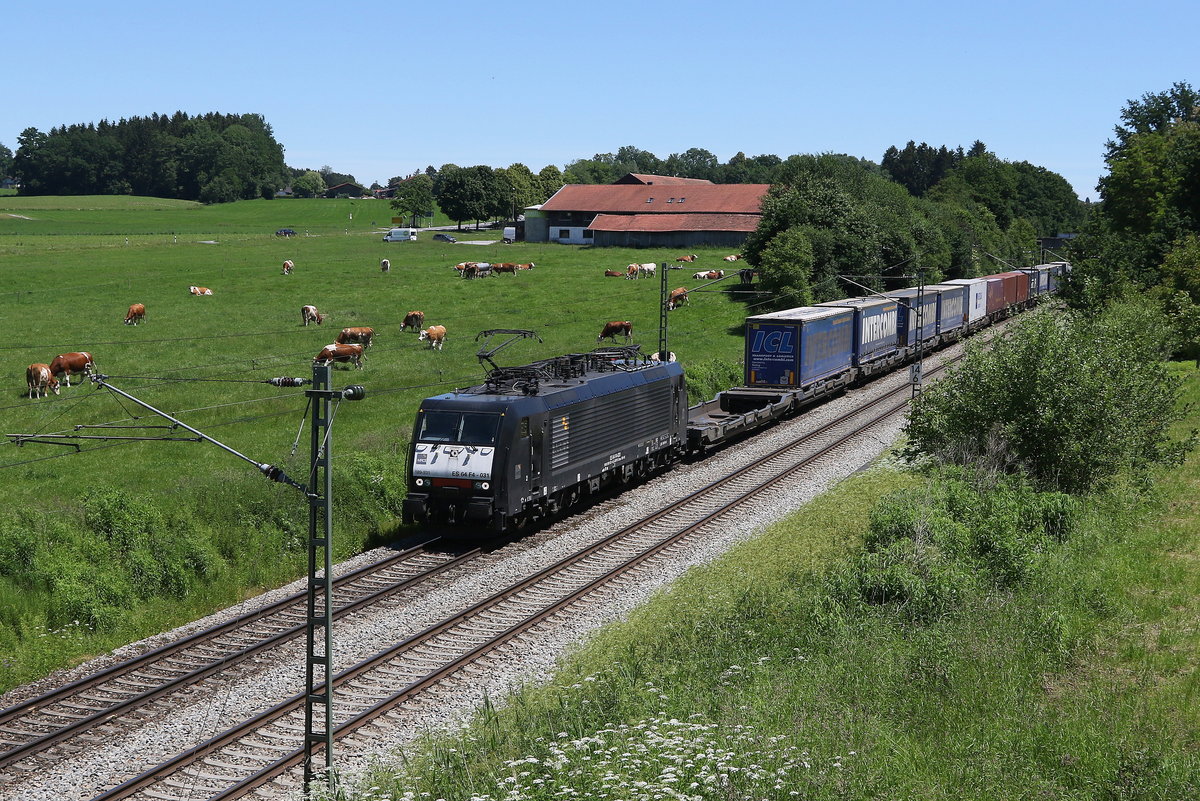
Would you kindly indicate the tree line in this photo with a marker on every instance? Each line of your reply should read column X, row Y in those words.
column 1144, row 237
column 834, row 223
column 212, row 158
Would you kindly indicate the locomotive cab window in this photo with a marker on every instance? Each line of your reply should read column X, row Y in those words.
column 463, row 428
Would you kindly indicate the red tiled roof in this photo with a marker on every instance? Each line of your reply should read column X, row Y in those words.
column 640, row 199
column 660, row 180
column 745, row 223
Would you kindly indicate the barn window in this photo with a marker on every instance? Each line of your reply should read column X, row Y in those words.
column 587, row 233
column 564, row 233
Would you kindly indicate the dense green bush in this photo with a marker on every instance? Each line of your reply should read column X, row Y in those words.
column 926, row 549
column 1072, row 401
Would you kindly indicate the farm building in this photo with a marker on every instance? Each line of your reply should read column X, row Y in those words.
column 668, row 214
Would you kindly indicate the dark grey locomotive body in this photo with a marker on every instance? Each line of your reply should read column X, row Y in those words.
column 535, row 440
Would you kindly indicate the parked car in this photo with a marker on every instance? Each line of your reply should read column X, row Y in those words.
column 285, row 232
column 443, row 238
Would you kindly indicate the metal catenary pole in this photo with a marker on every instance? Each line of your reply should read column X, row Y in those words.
column 318, row 674
column 663, row 353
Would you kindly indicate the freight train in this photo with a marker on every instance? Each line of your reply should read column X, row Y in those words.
column 534, row 441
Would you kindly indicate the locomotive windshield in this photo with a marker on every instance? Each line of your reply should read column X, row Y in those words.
column 463, row 428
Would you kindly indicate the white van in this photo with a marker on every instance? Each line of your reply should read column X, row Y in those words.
column 401, row 235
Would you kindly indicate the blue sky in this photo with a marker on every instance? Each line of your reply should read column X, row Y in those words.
column 379, row 89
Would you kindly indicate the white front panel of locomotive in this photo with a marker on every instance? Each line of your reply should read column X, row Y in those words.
column 438, row 460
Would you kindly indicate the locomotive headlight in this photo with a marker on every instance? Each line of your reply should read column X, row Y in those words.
column 420, row 482
column 485, row 485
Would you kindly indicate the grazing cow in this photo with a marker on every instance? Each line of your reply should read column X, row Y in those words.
column 526, row 266
column 470, row 270
column 612, row 329
column 340, row 352
column 462, row 265
column 136, row 313
column 39, row 378
column 746, row 275
column 734, row 257
column 309, row 314
column 435, row 334
column 648, row 269
column 613, row 274
column 288, row 267
column 414, row 320
column 199, row 290
column 385, row 265
column 361, row 335
column 506, row 267
column 631, row 272
column 66, row 364
column 692, row 257
column 676, row 298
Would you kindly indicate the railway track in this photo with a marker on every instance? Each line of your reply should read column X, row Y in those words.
column 269, row 748
column 67, row 716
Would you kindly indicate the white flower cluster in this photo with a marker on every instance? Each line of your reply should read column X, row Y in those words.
column 659, row 760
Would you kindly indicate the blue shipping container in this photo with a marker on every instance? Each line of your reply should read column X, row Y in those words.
column 907, row 299
column 952, row 306
column 798, row 347
column 876, row 327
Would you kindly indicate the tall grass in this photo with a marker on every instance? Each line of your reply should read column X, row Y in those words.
column 203, row 359
column 761, row 676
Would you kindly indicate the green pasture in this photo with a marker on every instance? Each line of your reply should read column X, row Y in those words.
column 190, row 350
column 155, row 218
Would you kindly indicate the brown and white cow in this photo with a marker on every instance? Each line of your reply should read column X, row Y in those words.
column 734, row 257
column 676, row 298
column 613, row 274
column 462, row 265
column 68, row 364
column 700, row 276
column 713, row 275
column 435, row 335
column 385, row 266
column 414, row 320
column 526, row 266
column 361, row 335
column 136, row 313
column 615, row 328
column 692, row 257
column 340, row 352
column 199, row 290
column 288, row 267
column 39, row 378
column 504, row 267
column 631, row 271
column 657, row 357
column 309, row 314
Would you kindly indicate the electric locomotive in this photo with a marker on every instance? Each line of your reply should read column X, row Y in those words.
column 532, row 441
